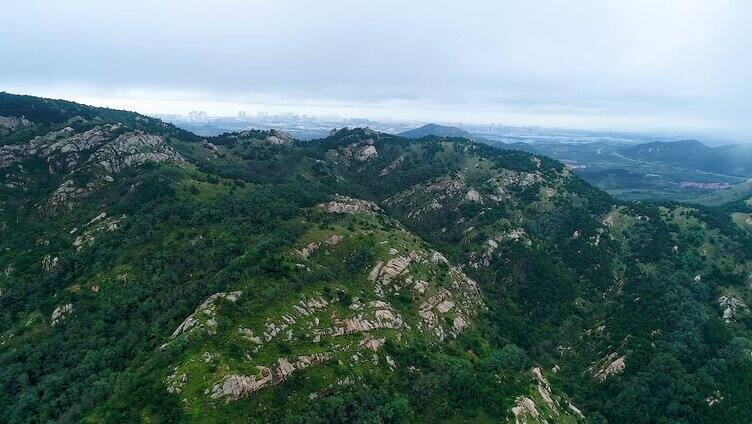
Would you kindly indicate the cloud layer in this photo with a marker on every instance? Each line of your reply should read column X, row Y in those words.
column 643, row 64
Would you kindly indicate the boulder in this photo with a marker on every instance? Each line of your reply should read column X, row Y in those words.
column 60, row 313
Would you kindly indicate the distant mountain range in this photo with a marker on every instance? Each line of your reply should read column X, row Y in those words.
column 733, row 159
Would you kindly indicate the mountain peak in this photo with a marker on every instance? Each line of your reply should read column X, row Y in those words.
column 435, row 130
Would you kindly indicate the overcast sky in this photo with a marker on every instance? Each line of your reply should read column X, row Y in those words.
column 633, row 65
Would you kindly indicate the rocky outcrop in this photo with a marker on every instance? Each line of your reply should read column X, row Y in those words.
column 393, row 268
column 50, row 264
column 236, row 386
column 313, row 319
column 613, row 364
column 98, row 153
column 62, row 149
column 543, row 406
column 352, row 326
column 66, row 154
column 349, row 205
column 484, row 258
column 422, row 199
column 458, row 302
column 368, row 153
column 512, row 179
column 731, row 306
column 68, row 192
column 523, row 408
column 98, row 224
column 210, row 146
column 277, row 137
column 60, row 313
column 312, row 247
column 473, row 196
column 544, row 389
column 133, row 149
column 11, row 123
column 381, row 315
column 175, row 382
column 205, row 314
column 714, row 398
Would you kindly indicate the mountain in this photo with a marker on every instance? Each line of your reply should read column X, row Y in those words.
column 436, row 130
column 729, row 160
column 151, row 275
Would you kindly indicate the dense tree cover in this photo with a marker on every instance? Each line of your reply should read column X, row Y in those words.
column 584, row 277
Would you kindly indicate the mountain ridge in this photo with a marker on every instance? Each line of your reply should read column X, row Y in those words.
column 255, row 278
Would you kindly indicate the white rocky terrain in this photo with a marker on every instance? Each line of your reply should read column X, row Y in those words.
column 445, row 302
column 99, row 154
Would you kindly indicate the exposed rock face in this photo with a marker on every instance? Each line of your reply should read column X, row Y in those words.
column 134, row 149
column 613, row 364
column 277, row 137
column 544, row 389
column 205, row 314
column 50, row 264
column 430, row 196
column 98, row 224
column 344, row 204
column 175, row 382
column 483, row 259
column 12, row 154
column 383, row 315
column 444, row 311
column 210, row 146
column 60, row 313
column 524, row 406
column 730, row 305
column 10, row 123
column 547, row 409
column 393, row 268
column 62, row 149
column 459, row 301
column 236, row 386
column 350, row 327
column 473, row 196
column 368, row 152
column 65, row 154
column 94, row 153
column 314, row 246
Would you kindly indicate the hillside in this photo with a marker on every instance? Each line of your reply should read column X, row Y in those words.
column 739, row 193
column 151, row 275
column 729, row 160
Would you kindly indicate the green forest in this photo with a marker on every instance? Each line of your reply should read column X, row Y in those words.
column 151, row 275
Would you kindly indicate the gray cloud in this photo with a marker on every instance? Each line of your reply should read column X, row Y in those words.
column 648, row 64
